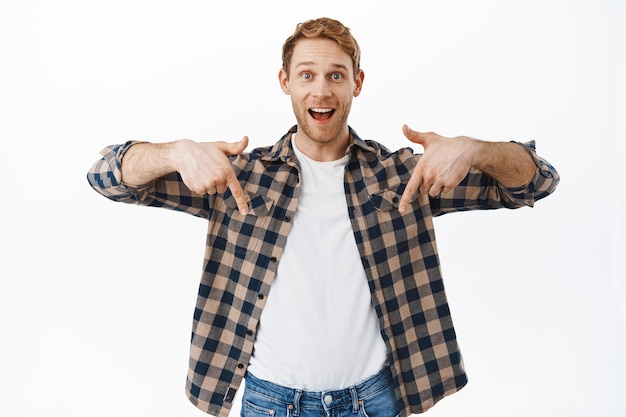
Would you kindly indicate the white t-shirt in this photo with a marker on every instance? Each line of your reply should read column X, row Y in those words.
column 318, row 330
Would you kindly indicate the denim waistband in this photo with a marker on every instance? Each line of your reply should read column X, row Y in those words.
column 321, row 399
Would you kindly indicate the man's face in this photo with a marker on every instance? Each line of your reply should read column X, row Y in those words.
column 321, row 84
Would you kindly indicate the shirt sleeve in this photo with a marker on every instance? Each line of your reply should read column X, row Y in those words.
column 105, row 177
column 479, row 191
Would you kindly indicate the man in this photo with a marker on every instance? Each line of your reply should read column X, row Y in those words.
column 340, row 229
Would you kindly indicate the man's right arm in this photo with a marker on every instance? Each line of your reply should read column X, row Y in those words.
column 145, row 162
column 204, row 167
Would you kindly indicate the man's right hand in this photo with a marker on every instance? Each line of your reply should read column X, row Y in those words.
column 203, row 166
column 206, row 169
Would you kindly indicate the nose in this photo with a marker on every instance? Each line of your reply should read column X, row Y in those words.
column 321, row 88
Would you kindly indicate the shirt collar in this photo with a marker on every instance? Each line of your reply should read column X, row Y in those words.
column 283, row 149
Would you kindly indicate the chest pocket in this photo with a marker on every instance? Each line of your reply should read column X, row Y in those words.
column 243, row 234
column 398, row 232
column 386, row 200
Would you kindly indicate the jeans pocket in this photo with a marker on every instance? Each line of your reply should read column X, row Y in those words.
column 375, row 409
column 381, row 404
column 250, row 409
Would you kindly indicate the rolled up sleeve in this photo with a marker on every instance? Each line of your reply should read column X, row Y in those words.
column 545, row 180
column 105, row 176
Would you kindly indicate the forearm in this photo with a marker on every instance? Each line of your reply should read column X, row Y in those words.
column 508, row 163
column 145, row 162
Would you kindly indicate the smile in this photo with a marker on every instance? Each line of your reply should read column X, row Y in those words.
column 319, row 113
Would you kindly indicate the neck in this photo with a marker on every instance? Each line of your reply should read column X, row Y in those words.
column 322, row 151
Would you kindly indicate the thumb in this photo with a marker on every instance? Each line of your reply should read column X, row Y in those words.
column 234, row 148
column 415, row 137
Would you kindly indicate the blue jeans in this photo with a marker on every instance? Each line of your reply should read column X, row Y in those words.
column 373, row 398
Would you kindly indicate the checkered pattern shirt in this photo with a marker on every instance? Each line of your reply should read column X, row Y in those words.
column 398, row 253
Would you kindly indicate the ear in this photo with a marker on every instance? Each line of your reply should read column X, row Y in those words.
column 283, row 79
column 358, row 83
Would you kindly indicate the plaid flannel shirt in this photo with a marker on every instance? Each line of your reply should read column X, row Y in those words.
column 398, row 253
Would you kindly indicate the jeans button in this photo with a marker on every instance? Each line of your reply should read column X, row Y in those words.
column 328, row 399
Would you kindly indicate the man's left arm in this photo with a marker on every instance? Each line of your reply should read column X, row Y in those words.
column 447, row 161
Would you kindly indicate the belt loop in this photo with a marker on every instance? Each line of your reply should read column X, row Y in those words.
column 296, row 402
column 355, row 400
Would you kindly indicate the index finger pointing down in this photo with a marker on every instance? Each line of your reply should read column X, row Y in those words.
column 410, row 190
column 239, row 194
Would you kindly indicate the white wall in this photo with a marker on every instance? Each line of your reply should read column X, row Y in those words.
column 96, row 298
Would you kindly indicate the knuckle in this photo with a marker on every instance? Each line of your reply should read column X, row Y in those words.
column 222, row 171
column 237, row 192
column 430, row 175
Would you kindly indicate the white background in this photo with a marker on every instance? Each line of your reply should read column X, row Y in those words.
column 96, row 298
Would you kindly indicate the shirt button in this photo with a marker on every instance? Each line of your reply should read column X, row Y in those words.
column 273, row 259
column 249, row 332
column 240, row 366
column 287, row 219
column 260, row 296
column 328, row 399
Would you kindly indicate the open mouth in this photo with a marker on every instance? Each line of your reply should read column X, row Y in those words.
column 319, row 113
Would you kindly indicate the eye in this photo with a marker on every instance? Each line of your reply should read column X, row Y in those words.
column 306, row 75
column 336, row 76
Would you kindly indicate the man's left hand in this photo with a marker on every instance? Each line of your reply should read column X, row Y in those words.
column 443, row 165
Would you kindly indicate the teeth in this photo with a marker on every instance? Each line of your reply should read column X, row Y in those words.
column 318, row 110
